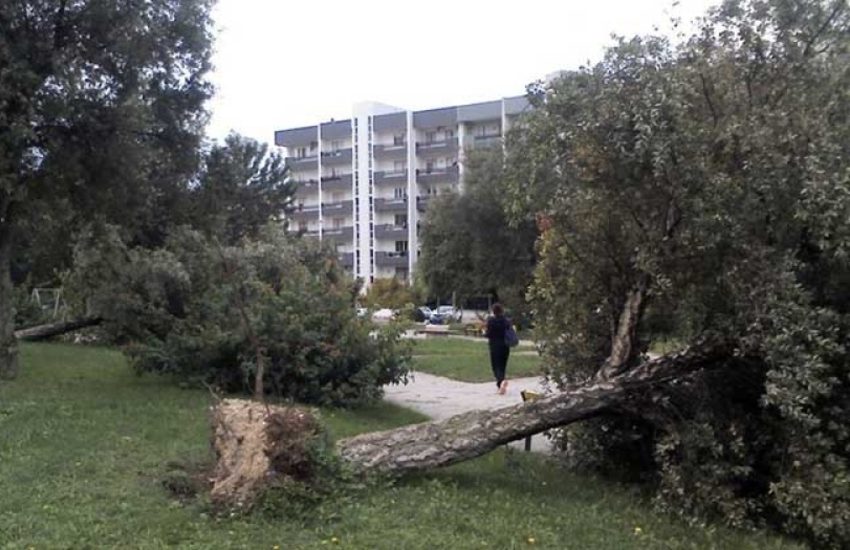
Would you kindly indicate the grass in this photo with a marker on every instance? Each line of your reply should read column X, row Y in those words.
column 86, row 444
column 469, row 360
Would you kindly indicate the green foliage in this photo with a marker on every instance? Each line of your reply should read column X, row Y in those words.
column 712, row 173
column 212, row 314
column 241, row 188
column 468, row 247
column 105, row 440
column 390, row 293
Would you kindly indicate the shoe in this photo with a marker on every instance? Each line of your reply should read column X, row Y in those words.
column 503, row 387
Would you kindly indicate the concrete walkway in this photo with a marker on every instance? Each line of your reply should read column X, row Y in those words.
column 440, row 398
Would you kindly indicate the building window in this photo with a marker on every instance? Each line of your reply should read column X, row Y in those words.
column 335, row 146
column 401, row 220
column 429, row 166
column 450, row 134
column 430, row 137
column 399, row 193
column 399, row 166
column 313, row 146
column 302, row 226
column 399, row 139
column 401, row 248
column 301, row 152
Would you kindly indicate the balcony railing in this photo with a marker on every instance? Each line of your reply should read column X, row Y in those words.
column 340, row 156
column 346, row 259
column 337, row 208
column 302, row 161
column 339, row 233
column 391, row 176
column 306, row 187
column 436, row 147
column 488, row 140
column 389, row 230
column 391, row 205
column 438, row 175
column 303, row 213
column 391, row 259
column 339, row 182
column 390, row 151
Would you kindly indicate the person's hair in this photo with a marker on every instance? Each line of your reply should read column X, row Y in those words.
column 498, row 310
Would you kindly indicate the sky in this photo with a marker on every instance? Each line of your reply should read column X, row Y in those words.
column 281, row 64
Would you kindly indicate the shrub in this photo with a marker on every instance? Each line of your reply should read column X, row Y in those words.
column 213, row 314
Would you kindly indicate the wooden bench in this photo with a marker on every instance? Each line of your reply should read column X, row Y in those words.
column 440, row 330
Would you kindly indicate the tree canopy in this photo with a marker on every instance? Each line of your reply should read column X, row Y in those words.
column 694, row 188
column 468, row 247
column 102, row 109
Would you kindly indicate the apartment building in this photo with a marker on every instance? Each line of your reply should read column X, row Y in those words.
column 364, row 184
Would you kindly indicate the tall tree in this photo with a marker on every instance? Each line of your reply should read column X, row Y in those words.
column 101, row 105
column 242, row 187
column 706, row 184
column 468, row 246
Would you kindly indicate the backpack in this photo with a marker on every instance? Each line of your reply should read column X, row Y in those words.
column 511, row 339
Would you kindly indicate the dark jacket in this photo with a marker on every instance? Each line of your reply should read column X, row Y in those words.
column 496, row 327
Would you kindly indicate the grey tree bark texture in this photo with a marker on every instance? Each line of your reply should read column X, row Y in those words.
column 8, row 342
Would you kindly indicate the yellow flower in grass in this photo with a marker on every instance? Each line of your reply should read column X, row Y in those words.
column 638, row 530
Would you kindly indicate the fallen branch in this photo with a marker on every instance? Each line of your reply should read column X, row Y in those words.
column 43, row 332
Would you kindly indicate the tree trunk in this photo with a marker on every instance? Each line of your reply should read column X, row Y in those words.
column 42, row 332
column 248, row 448
column 8, row 344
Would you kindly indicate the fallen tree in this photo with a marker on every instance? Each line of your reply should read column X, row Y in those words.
column 43, row 332
column 251, row 445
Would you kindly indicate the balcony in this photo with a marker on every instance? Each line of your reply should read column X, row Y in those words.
column 391, row 259
column 302, row 162
column 438, row 175
column 304, row 188
column 422, row 202
column 345, row 233
column 390, row 176
column 337, row 208
column 336, row 158
column 391, row 205
column 436, row 147
column 391, row 231
column 340, row 182
column 305, row 213
column 390, row 151
column 486, row 141
column 346, row 259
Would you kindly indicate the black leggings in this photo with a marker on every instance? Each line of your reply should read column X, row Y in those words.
column 499, row 362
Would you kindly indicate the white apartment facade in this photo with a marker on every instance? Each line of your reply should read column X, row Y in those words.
column 365, row 183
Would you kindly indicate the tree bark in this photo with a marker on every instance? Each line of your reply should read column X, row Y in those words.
column 42, row 332
column 469, row 435
column 247, row 448
column 8, row 343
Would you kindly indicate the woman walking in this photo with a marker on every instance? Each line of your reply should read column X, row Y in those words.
column 497, row 327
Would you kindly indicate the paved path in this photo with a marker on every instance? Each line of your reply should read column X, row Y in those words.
column 441, row 398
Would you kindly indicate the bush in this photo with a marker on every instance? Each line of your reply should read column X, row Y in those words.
column 212, row 314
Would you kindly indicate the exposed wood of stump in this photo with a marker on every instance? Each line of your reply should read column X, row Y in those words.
column 257, row 443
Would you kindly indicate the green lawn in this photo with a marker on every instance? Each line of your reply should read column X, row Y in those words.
column 85, row 444
column 469, row 360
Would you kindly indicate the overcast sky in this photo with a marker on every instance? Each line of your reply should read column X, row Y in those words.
column 281, row 64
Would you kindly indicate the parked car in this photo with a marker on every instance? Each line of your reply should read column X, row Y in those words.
column 383, row 314
column 450, row 313
column 422, row 314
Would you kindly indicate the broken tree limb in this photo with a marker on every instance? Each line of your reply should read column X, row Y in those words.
column 469, row 435
column 248, row 445
column 42, row 332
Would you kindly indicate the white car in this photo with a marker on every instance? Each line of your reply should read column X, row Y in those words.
column 384, row 314
column 448, row 312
